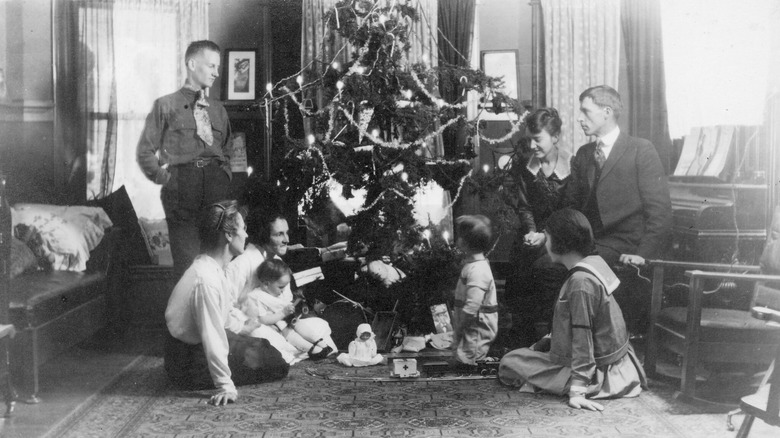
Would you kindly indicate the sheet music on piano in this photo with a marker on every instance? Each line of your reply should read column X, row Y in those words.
column 707, row 154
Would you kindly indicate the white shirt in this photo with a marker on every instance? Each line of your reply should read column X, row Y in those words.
column 241, row 272
column 199, row 312
column 609, row 141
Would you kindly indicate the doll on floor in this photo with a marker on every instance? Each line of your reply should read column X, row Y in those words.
column 362, row 351
column 270, row 306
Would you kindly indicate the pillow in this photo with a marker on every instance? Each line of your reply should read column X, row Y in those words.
column 57, row 242
column 22, row 258
column 120, row 209
column 155, row 232
column 93, row 221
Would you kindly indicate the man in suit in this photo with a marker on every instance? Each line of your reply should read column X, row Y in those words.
column 618, row 182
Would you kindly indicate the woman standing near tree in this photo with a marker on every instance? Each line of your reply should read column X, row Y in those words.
column 540, row 177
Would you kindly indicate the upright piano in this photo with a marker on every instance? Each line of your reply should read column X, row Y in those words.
column 719, row 195
column 718, row 222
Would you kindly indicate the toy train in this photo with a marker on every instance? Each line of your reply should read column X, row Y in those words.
column 485, row 367
column 488, row 367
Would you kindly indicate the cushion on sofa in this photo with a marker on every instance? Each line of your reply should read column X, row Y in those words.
column 92, row 221
column 120, row 209
column 60, row 236
column 57, row 244
column 22, row 258
column 158, row 243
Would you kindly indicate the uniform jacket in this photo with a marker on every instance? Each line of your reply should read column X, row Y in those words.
column 170, row 135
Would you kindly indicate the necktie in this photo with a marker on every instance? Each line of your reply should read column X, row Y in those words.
column 599, row 154
column 202, row 119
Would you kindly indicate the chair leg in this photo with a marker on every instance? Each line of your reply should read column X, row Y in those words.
column 9, row 393
column 691, row 354
column 25, row 367
column 729, row 423
column 651, row 351
column 747, row 423
column 10, row 397
column 651, row 347
column 688, row 377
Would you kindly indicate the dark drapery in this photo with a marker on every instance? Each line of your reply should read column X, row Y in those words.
column 641, row 21
column 456, row 25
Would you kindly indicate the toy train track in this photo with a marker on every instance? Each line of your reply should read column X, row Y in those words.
column 438, row 378
column 432, row 371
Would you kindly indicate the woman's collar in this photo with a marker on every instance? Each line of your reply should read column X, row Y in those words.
column 562, row 167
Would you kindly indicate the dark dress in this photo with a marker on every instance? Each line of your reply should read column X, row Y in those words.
column 535, row 280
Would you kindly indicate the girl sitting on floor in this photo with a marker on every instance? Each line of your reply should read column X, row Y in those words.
column 588, row 355
column 268, row 305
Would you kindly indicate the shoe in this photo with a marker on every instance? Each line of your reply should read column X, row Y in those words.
column 322, row 354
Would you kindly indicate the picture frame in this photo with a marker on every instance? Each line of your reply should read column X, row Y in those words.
column 502, row 64
column 441, row 318
column 239, row 77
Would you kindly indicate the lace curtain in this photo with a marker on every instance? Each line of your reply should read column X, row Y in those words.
column 114, row 59
column 582, row 49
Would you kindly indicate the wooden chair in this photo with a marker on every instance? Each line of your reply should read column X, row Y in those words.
column 765, row 403
column 702, row 334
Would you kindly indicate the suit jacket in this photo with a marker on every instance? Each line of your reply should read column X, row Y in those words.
column 632, row 195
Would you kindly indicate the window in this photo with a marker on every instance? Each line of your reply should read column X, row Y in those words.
column 716, row 56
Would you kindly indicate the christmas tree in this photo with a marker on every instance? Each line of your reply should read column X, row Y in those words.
column 375, row 130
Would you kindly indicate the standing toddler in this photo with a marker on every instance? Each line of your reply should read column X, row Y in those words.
column 475, row 314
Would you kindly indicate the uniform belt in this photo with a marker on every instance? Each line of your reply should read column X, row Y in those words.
column 482, row 309
column 201, row 162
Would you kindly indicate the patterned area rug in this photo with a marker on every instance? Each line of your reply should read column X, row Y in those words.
column 140, row 404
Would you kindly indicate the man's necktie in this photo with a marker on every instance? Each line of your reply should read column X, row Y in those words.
column 202, row 119
column 599, row 154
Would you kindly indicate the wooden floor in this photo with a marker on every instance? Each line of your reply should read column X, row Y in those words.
column 72, row 378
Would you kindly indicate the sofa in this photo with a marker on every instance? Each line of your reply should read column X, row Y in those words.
column 54, row 310
column 64, row 296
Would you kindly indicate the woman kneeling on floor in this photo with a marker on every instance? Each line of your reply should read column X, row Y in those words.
column 206, row 346
column 588, row 355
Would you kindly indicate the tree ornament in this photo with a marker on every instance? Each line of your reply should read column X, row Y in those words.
column 366, row 114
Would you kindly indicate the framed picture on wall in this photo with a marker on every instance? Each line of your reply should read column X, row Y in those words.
column 502, row 64
column 239, row 74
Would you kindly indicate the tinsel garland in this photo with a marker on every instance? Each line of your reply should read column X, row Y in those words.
column 387, row 154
